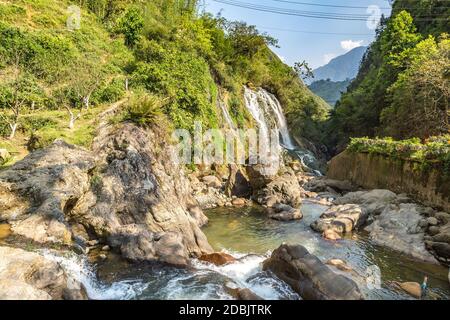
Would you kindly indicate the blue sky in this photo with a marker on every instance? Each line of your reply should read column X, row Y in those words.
column 317, row 49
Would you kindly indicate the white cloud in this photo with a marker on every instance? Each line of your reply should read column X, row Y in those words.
column 328, row 57
column 350, row 44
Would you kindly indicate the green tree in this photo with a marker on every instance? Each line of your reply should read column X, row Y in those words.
column 131, row 25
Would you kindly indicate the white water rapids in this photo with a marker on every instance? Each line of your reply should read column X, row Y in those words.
column 204, row 281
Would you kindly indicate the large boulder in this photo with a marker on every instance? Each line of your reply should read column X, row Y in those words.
column 373, row 202
column 398, row 227
column 341, row 219
column 283, row 189
column 30, row 276
column 309, row 277
column 129, row 192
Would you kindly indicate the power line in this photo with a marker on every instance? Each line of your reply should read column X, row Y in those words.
column 309, row 14
column 285, row 11
column 345, row 6
column 316, row 32
column 327, row 5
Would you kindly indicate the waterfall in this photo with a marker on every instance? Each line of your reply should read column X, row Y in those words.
column 252, row 104
column 268, row 113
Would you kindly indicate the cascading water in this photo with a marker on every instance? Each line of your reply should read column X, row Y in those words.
column 268, row 113
column 226, row 115
column 272, row 106
column 204, row 281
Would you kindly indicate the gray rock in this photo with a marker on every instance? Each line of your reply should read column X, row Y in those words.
column 329, row 185
column 397, row 227
column 283, row 212
column 30, row 276
column 130, row 182
column 309, row 277
column 283, row 189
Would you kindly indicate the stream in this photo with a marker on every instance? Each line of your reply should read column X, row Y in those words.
column 250, row 236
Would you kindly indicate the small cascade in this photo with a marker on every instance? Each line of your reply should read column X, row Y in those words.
column 226, row 115
column 78, row 268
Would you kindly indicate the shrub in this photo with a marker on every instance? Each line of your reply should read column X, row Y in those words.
column 433, row 150
column 144, row 110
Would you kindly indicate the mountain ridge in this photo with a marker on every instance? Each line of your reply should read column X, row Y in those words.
column 341, row 68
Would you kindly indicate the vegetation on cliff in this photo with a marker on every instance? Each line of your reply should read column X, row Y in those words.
column 403, row 86
column 435, row 150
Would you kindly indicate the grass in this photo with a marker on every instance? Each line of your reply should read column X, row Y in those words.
column 54, row 126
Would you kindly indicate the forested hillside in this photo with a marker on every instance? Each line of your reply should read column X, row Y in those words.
column 328, row 90
column 403, row 86
column 57, row 79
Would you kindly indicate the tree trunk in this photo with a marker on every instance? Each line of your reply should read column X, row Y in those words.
column 13, row 130
column 72, row 121
column 126, row 84
column 86, row 101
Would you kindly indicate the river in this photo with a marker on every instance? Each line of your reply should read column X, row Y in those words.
column 249, row 235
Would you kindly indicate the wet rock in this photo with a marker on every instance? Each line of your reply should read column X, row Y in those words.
column 411, row 288
column 106, row 248
column 30, row 276
column 239, row 202
column 212, row 181
column 441, row 249
column 283, row 212
column 340, row 264
column 331, row 235
column 432, row 231
column 241, row 294
column 309, row 277
column 341, row 219
column 218, row 258
column 397, row 227
column 248, row 295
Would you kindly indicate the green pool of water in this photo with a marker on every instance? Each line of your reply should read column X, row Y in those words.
column 248, row 230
